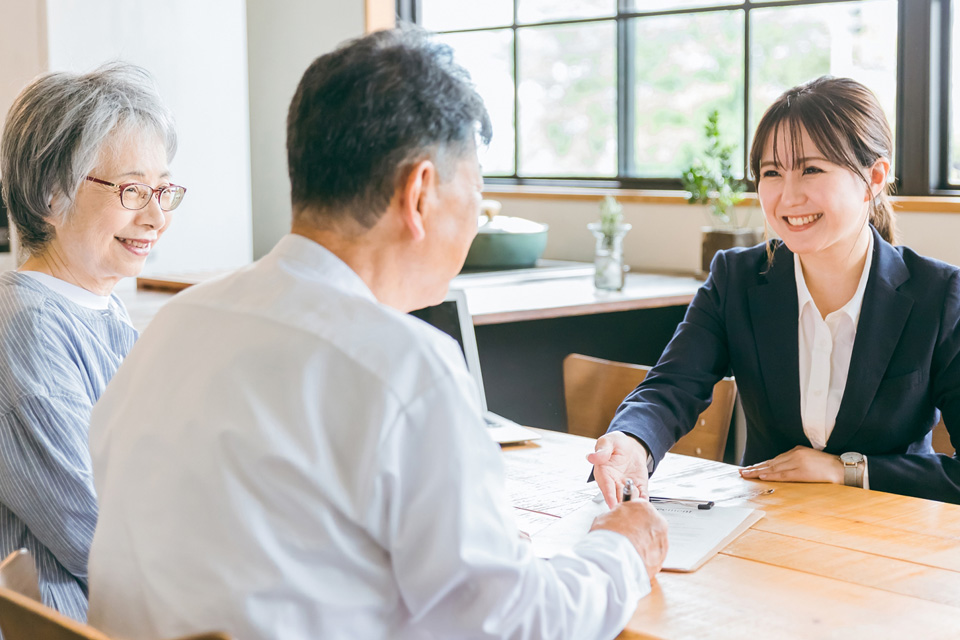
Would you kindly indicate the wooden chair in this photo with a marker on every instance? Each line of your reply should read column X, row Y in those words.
column 594, row 388
column 24, row 617
column 19, row 573
column 941, row 439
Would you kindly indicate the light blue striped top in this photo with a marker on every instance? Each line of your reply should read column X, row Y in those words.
column 56, row 358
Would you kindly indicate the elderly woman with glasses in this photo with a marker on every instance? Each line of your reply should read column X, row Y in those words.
column 85, row 177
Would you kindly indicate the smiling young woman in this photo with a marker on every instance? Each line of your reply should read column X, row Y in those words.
column 843, row 345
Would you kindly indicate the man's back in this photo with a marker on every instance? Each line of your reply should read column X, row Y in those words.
column 282, row 457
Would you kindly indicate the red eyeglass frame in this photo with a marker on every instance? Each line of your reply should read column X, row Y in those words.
column 156, row 191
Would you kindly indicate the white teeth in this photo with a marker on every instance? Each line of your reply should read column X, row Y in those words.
column 798, row 222
column 135, row 243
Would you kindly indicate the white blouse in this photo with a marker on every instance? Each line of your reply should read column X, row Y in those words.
column 825, row 349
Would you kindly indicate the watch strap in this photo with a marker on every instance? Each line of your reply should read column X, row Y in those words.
column 850, row 474
column 853, row 474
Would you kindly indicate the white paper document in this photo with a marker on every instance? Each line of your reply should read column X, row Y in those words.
column 695, row 535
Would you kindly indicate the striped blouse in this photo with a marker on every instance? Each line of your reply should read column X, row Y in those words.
column 56, row 357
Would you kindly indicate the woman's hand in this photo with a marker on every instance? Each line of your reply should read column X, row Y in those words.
column 800, row 464
column 616, row 458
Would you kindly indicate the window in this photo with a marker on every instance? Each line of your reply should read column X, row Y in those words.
column 612, row 93
column 952, row 94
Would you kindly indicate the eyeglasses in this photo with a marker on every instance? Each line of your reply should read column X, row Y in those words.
column 135, row 196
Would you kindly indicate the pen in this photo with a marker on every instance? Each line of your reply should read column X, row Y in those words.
column 701, row 504
column 627, row 490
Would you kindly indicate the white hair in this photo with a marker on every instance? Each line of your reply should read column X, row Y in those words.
column 54, row 135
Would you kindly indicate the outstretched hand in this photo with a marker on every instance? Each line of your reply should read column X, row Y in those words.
column 800, row 464
column 617, row 457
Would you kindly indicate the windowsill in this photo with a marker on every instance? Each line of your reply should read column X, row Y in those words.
column 925, row 204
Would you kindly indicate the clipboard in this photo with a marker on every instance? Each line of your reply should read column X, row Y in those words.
column 695, row 535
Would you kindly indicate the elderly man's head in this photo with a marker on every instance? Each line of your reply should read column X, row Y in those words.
column 367, row 113
column 382, row 142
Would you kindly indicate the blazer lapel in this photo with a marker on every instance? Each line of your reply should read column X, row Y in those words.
column 883, row 315
column 774, row 314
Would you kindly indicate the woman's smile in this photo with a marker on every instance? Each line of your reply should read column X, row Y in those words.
column 139, row 247
column 802, row 222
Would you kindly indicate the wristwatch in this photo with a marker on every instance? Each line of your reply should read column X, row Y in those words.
column 852, row 469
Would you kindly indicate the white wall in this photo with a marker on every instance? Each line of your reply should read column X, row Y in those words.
column 23, row 52
column 23, row 47
column 197, row 53
column 666, row 237
column 931, row 234
column 283, row 39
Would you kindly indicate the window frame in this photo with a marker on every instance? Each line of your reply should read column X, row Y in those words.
column 923, row 87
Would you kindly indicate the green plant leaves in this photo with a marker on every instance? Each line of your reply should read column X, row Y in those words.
column 710, row 180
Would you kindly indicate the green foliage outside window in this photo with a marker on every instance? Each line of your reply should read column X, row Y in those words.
column 710, row 178
column 683, row 66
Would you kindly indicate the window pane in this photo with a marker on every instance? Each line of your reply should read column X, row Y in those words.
column 790, row 46
column 543, row 10
column 447, row 15
column 685, row 67
column 568, row 100
column 488, row 56
column 666, row 5
column 953, row 171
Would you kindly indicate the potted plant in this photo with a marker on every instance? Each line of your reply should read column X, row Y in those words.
column 710, row 180
column 608, row 255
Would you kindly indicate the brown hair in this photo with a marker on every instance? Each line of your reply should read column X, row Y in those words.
column 845, row 121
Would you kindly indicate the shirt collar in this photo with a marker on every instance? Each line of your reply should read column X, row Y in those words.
column 803, row 294
column 77, row 295
column 853, row 306
column 312, row 260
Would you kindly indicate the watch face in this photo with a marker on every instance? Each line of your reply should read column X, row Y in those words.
column 851, row 458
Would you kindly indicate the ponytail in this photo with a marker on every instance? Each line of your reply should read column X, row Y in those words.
column 882, row 217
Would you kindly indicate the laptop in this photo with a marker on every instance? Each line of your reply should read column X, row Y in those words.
column 453, row 318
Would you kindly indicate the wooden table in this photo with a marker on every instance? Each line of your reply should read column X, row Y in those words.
column 825, row 562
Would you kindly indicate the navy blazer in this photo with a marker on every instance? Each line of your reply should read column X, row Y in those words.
column 904, row 367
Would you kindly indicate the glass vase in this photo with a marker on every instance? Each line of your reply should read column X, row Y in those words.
column 608, row 256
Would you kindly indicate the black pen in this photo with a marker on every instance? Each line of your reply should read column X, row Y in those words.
column 627, row 491
column 701, row 504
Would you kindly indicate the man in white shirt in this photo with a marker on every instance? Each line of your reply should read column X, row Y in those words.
column 287, row 454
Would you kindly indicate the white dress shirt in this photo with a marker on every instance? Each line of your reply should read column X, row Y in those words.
column 281, row 456
column 825, row 349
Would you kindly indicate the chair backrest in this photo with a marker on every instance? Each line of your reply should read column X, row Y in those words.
column 594, row 388
column 19, row 573
column 941, row 439
column 24, row 617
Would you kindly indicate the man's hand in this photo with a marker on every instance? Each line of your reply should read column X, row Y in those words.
column 617, row 457
column 800, row 464
column 646, row 529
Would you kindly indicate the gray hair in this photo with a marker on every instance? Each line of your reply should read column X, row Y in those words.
column 365, row 113
column 54, row 135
